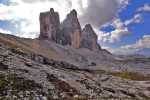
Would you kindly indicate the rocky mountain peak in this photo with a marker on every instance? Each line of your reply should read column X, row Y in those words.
column 88, row 26
column 68, row 32
column 50, row 25
column 89, row 38
column 73, row 13
column 71, row 30
column 89, row 30
column 51, row 10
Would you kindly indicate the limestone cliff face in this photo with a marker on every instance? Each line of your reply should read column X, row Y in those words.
column 68, row 32
column 89, row 38
column 50, row 25
column 71, row 30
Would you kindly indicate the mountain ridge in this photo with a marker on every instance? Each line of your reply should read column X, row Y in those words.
column 68, row 32
column 44, row 70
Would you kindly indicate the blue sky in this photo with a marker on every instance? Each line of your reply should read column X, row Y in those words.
column 122, row 26
column 137, row 29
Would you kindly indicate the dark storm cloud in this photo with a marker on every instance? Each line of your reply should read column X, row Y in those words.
column 99, row 12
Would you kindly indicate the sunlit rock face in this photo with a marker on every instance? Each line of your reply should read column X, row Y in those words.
column 71, row 30
column 89, row 38
column 50, row 25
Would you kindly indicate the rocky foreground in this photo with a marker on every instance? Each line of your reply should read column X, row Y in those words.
column 66, row 73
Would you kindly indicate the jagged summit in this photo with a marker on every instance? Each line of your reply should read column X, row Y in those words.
column 51, row 10
column 68, row 32
column 73, row 13
column 89, row 30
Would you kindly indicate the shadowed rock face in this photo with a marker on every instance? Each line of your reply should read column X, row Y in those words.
column 71, row 30
column 50, row 25
column 106, row 51
column 89, row 38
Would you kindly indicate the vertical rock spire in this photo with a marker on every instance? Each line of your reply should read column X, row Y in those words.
column 71, row 30
column 68, row 32
column 89, row 38
column 50, row 25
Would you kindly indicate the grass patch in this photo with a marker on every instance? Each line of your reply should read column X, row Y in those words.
column 131, row 76
column 3, row 66
column 75, row 99
column 109, row 89
column 108, row 98
column 61, row 85
column 143, row 96
column 3, row 84
column 148, row 88
column 93, row 64
column 138, row 60
column 11, row 45
column 88, row 87
column 22, row 84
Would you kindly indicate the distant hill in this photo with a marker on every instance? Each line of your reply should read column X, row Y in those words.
column 132, row 56
column 145, row 52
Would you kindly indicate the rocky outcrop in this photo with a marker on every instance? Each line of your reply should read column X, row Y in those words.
column 50, row 25
column 106, row 51
column 71, row 30
column 89, row 38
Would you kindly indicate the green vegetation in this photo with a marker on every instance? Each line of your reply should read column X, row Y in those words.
column 3, row 85
column 108, row 98
column 88, row 87
column 23, row 85
column 11, row 45
column 3, row 66
column 143, row 96
column 75, row 99
column 130, row 75
column 93, row 64
column 109, row 89
column 18, row 84
column 148, row 88
column 142, row 60
column 138, row 60
column 61, row 85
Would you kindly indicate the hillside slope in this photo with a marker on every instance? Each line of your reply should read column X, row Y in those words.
column 47, row 71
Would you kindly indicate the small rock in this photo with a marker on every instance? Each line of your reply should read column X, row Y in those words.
column 44, row 98
column 14, row 96
column 36, row 98
column 76, row 96
column 29, row 64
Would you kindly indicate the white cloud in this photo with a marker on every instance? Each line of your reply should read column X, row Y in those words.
column 118, row 24
column 5, row 31
column 146, row 7
column 139, row 45
column 120, row 31
column 136, row 19
column 31, row 35
column 113, row 36
column 101, row 11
